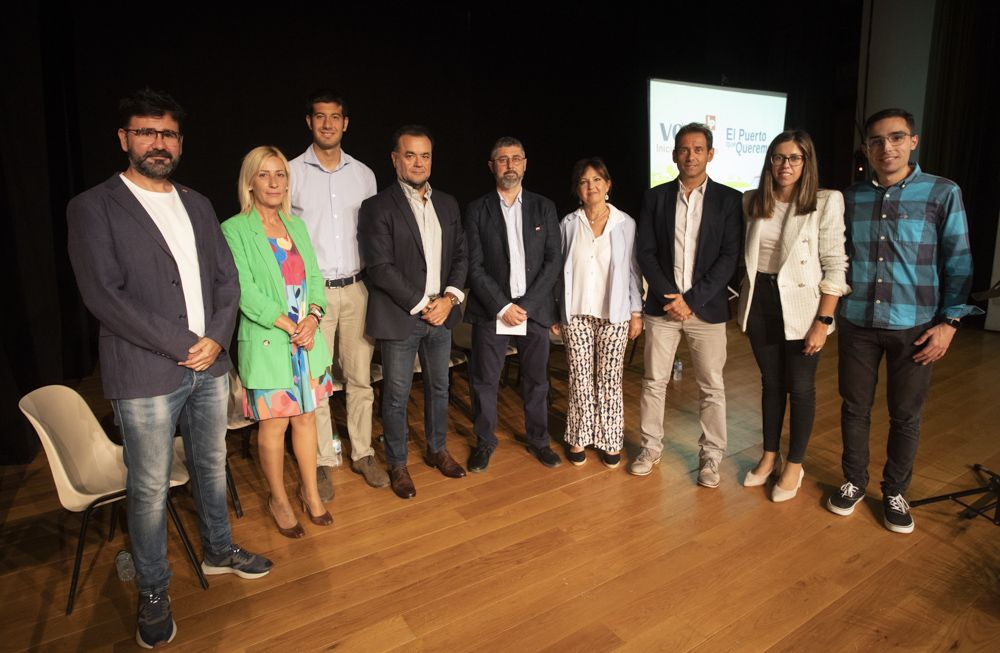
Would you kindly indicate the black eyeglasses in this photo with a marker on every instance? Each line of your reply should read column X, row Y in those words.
column 150, row 134
column 794, row 160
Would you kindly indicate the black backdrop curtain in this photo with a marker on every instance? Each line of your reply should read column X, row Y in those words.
column 961, row 139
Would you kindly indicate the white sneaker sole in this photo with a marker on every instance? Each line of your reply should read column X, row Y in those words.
column 843, row 512
column 209, row 570
column 895, row 528
column 142, row 644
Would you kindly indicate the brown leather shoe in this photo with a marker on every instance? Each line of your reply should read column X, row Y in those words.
column 402, row 484
column 444, row 463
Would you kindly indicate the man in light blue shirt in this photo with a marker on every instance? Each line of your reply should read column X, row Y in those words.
column 328, row 186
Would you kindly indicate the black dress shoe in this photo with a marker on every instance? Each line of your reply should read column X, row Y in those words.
column 545, row 455
column 444, row 463
column 402, row 484
column 479, row 460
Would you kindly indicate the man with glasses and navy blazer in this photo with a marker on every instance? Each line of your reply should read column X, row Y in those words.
column 514, row 261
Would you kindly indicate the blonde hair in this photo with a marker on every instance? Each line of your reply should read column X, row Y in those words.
column 252, row 164
column 762, row 203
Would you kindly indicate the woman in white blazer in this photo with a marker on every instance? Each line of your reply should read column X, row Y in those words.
column 796, row 264
column 600, row 309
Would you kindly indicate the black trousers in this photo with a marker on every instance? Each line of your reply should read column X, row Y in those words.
column 787, row 376
column 489, row 351
column 861, row 351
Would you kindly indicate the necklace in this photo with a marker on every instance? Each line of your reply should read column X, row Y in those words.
column 599, row 218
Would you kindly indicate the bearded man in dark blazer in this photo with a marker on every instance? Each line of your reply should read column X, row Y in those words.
column 514, row 262
column 154, row 269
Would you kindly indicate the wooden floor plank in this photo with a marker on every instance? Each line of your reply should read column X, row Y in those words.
column 526, row 558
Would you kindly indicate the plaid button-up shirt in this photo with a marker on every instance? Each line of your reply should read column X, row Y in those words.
column 908, row 246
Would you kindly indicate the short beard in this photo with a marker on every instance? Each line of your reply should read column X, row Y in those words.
column 508, row 182
column 158, row 171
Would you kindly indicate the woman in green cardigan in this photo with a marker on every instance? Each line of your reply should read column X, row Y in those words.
column 282, row 365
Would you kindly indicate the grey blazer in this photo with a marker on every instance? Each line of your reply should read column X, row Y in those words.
column 130, row 282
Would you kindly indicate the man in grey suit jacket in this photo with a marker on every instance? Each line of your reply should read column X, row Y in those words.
column 153, row 267
column 412, row 242
column 688, row 248
column 514, row 261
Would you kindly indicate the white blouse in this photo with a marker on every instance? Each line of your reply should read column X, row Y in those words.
column 592, row 268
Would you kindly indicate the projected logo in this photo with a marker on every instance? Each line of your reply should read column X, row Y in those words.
column 710, row 122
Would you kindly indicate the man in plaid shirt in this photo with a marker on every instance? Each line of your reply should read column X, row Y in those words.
column 911, row 272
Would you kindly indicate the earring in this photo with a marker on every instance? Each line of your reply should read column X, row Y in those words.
column 606, row 197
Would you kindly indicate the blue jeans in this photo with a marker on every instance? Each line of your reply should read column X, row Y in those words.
column 148, row 425
column 433, row 344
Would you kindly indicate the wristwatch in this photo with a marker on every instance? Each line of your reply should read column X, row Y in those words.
column 452, row 298
column 952, row 322
column 825, row 319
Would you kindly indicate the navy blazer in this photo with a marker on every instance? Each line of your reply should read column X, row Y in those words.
column 394, row 259
column 718, row 250
column 130, row 282
column 489, row 258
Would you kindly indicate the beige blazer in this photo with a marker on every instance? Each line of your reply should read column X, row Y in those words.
column 813, row 262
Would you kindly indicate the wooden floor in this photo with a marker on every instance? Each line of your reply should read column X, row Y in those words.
column 523, row 558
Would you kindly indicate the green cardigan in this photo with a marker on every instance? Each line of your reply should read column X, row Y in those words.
column 264, row 359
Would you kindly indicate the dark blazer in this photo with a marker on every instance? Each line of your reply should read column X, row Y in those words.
column 489, row 258
column 394, row 259
column 130, row 282
column 718, row 251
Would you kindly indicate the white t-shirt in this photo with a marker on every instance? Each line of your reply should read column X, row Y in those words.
column 769, row 259
column 171, row 218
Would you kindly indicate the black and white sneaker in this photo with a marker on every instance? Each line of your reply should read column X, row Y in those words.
column 896, row 514
column 155, row 623
column 843, row 502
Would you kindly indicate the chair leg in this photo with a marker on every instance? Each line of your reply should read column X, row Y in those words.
column 187, row 543
column 233, row 494
column 114, row 521
column 76, row 562
column 245, row 434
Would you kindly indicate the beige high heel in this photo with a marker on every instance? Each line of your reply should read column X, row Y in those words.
column 754, row 480
column 778, row 494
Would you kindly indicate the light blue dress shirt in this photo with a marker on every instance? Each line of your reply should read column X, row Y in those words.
column 328, row 202
column 512, row 216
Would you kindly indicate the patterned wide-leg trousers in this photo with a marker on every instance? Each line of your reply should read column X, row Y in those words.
column 595, row 353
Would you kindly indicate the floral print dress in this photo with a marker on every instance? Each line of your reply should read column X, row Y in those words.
column 306, row 391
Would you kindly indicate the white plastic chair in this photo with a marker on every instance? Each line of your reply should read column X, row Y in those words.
column 86, row 465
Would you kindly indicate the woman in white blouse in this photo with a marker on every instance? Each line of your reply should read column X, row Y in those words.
column 795, row 261
column 601, row 309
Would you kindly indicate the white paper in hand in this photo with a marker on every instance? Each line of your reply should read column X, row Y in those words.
column 503, row 329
